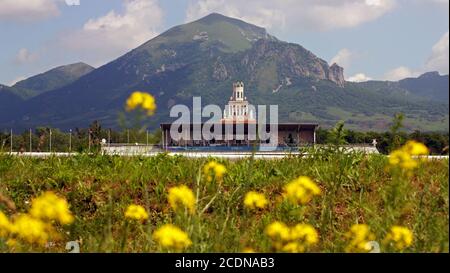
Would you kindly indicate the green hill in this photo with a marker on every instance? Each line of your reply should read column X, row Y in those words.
column 52, row 79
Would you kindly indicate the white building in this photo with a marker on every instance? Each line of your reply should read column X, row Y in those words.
column 238, row 109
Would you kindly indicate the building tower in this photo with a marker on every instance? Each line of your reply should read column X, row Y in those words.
column 238, row 108
column 238, row 92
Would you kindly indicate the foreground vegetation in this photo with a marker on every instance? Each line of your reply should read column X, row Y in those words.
column 329, row 202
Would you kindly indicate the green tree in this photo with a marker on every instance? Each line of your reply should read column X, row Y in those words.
column 397, row 124
column 338, row 134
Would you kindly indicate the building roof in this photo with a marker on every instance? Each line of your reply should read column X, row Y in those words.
column 287, row 125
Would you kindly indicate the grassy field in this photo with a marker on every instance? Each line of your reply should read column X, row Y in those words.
column 354, row 189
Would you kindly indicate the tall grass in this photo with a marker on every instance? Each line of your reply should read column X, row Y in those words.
column 356, row 188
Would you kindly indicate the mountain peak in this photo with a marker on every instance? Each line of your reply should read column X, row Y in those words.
column 217, row 17
column 431, row 74
column 214, row 31
column 78, row 68
column 431, row 85
column 54, row 78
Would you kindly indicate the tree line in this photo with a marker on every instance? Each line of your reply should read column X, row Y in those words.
column 46, row 139
column 437, row 142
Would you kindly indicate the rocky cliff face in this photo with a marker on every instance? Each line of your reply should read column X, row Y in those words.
column 336, row 74
column 280, row 60
column 220, row 72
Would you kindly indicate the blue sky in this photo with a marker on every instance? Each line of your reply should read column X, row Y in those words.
column 371, row 39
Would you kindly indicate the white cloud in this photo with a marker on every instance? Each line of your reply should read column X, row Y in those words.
column 359, row 77
column 438, row 60
column 343, row 58
column 305, row 14
column 400, row 73
column 24, row 56
column 27, row 10
column 114, row 34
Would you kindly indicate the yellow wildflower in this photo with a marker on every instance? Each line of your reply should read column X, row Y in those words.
column 248, row 250
column 214, row 170
column 49, row 206
column 136, row 212
column 359, row 236
column 301, row 190
column 5, row 225
column 304, row 233
column 141, row 100
column 400, row 237
column 31, row 230
column 295, row 239
column 403, row 157
column 182, row 197
column 415, row 148
column 255, row 200
column 278, row 231
column 293, row 247
column 170, row 236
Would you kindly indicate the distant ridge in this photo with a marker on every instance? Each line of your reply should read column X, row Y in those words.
column 52, row 79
